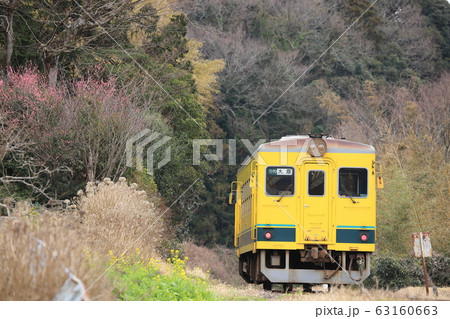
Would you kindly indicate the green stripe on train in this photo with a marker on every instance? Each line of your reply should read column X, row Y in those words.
column 354, row 236
column 278, row 234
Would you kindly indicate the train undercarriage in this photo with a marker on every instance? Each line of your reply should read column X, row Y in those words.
column 311, row 266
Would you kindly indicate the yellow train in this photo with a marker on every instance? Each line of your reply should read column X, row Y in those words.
column 305, row 212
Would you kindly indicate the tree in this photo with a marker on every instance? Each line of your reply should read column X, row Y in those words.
column 28, row 110
column 47, row 131
column 99, row 119
column 8, row 9
column 61, row 28
column 408, row 28
column 370, row 19
column 437, row 12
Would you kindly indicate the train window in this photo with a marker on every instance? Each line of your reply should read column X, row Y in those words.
column 316, row 183
column 353, row 182
column 280, row 181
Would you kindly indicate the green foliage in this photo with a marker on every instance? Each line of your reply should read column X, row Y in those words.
column 438, row 16
column 169, row 45
column 280, row 32
column 437, row 268
column 139, row 279
column 415, row 197
column 179, row 116
column 370, row 21
column 395, row 215
column 391, row 64
column 145, row 181
column 213, row 223
column 16, row 191
column 395, row 272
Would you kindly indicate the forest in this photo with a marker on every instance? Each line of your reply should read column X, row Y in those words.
column 78, row 78
column 385, row 82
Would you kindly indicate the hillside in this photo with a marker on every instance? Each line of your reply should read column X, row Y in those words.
column 102, row 105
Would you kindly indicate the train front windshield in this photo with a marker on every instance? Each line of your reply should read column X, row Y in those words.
column 353, row 182
column 279, row 181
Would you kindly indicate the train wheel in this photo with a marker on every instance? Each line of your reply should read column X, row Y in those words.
column 288, row 287
column 267, row 285
column 307, row 288
column 244, row 266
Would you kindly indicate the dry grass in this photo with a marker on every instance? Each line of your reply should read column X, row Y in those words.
column 36, row 249
column 220, row 263
column 253, row 292
column 119, row 218
column 418, row 293
column 35, row 253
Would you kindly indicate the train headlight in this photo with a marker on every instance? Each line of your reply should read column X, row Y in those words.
column 268, row 235
column 317, row 147
column 364, row 237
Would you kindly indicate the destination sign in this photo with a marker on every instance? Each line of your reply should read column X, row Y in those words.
column 280, row 171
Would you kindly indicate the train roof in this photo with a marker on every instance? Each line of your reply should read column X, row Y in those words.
column 297, row 144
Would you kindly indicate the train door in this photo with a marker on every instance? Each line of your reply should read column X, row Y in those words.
column 316, row 202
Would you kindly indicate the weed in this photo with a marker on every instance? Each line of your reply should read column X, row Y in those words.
column 136, row 278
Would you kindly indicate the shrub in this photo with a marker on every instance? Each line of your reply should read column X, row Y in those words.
column 438, row 268
column 396, row 272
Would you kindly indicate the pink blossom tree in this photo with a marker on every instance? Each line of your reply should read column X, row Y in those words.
column 28, row 106
column 100, row 118
column 80, row 127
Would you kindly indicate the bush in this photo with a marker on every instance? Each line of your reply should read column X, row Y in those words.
column 396, row 272
column 438, row 268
